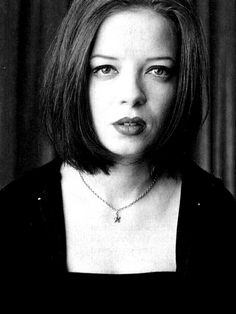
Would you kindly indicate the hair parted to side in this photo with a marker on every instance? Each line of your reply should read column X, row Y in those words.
column 66, row 109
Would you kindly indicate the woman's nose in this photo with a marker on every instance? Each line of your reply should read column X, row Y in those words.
column 132, row 92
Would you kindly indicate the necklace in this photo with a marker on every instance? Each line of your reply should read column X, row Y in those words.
column 118, row 210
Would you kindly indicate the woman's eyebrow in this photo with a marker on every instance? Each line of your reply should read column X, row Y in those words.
column 161, row 58
column 103, row 56
column 147, row 60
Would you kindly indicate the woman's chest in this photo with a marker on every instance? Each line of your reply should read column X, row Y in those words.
column 144, row 240
column 97, row 249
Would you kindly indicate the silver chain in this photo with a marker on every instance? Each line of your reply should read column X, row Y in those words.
column 117, row 210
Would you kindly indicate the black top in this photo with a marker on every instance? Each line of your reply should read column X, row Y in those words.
column 34, row 232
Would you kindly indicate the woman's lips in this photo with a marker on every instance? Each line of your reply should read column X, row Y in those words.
column 130, row 126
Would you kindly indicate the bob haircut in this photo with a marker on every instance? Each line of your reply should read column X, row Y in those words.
column 66, row 109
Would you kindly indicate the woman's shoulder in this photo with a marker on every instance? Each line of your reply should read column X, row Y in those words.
column 23, row 200
column 32, row 181
column 207, row 206
column 207, row 220
column 205, row 187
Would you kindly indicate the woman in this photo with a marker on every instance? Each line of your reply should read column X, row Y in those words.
column 122, row 98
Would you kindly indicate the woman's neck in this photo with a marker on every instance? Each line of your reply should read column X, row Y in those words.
column 124, row 184
column 125, row 178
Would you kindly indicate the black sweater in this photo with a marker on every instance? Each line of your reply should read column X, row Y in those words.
column 34, row 232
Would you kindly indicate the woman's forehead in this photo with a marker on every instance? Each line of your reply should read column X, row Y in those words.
column 140, row 31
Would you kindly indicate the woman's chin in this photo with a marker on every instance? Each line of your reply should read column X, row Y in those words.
column 127, row 152
column 129, row 156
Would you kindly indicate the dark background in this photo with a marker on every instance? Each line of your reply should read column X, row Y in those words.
column 26, row 30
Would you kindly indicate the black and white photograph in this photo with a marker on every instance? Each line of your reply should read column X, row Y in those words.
column 118, row 153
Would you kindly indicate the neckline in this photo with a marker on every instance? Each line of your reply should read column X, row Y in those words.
column 55, row 209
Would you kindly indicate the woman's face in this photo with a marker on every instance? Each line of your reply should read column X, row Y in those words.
column 133, row 80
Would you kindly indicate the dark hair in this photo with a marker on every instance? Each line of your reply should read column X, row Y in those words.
column 66, row 109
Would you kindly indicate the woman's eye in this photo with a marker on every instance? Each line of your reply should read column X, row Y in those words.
column 104, row 70
column 160, row 71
